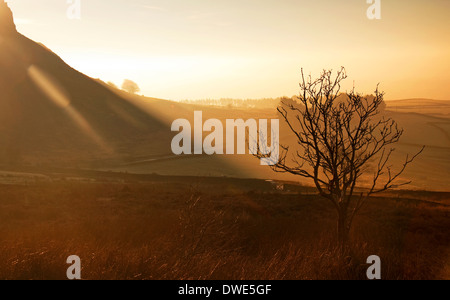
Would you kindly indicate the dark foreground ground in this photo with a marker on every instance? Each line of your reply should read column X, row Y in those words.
column 186, row 228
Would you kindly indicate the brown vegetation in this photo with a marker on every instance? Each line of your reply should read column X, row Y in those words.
column 166, row 229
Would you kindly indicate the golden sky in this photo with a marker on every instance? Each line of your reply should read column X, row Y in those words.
column 197, row 49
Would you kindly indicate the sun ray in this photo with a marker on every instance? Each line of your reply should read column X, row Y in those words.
column 59, row 97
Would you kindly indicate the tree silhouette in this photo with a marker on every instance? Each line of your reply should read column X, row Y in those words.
column 340, row 137
column 130, row 86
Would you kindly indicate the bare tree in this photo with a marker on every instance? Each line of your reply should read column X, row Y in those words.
column 340, row 137
column 130, row 86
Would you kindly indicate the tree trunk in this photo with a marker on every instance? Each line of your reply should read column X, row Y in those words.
column 343, row 230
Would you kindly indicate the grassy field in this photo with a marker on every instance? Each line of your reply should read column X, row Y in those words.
column 217, row 229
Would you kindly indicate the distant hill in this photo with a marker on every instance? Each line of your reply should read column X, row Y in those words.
column 437, row 108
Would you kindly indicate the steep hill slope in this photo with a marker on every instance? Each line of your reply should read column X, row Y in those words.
column 51, row 113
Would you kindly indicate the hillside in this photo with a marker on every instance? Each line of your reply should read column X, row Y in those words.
column 422, row 127
column 51, row 113
column 437, row 108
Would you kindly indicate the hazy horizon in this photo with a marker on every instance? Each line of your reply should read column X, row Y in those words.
column 247, row 49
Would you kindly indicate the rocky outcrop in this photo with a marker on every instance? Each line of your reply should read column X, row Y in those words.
column 7, row 26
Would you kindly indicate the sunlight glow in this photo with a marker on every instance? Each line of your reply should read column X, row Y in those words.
column 59, row 97
column 201, row 49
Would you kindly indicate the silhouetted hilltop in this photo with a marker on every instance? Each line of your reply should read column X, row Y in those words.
column 53, row 114
column 7, row 26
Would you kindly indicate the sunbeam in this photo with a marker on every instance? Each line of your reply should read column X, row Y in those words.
column 59, row 97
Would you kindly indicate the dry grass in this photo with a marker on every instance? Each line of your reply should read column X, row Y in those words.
column 167, row 231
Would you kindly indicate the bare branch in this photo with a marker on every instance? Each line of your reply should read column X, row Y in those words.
column 338, row 136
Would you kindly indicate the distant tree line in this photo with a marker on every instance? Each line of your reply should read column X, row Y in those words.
column 238, row 103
